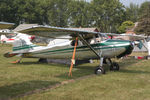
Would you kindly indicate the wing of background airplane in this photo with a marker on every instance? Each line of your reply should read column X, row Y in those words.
column 3, row 32
column 6, row 25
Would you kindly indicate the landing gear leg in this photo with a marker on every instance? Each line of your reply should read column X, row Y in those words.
column 100, row 70
column 113, row 65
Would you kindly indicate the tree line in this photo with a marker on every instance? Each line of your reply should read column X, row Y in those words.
column 107, row 15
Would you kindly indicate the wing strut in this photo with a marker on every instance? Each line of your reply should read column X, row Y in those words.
column 89, row 45
column 73, row 58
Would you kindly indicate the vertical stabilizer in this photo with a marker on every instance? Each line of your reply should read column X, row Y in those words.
column 3, row 38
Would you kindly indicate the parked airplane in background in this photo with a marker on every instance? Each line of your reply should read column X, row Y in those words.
column 6, row 40
column 4, row 32
column 4, row 26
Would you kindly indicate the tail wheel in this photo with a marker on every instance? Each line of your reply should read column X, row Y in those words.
column 99, row 71
column 114, row 66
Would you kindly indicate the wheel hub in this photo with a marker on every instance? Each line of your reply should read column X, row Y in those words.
column 99, row 71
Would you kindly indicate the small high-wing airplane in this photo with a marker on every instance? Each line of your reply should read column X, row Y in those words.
column 4, row 26
column 83, row 44
column 4, row 32
column 5, row 40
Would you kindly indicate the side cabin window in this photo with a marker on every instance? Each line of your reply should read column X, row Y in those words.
column 98, row 39
column 95, row 39
column 79, row 43
column 73, row 42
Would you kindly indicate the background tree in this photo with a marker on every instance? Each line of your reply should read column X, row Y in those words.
column 57, row 14
column 78, row 11
column 104, row 14
column 125, row 25
column 107, row 14
column 132, row 12
column 144, row 21
column 27, row 11
column 6, row 11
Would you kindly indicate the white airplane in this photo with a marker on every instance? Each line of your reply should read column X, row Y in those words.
column 86, row 45
column 4, row 26
column 83, row 45
column 4, row 32
column 5, row 40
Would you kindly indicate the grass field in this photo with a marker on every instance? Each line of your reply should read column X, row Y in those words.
column 30, row 80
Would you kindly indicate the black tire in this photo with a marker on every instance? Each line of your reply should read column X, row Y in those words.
column 114, row 67
column 99, row 71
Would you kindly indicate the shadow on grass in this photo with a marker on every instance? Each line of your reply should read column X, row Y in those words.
column 129, row 62
column 88, row 69
column 79, row 71
column 20, row 89
column 36, row 63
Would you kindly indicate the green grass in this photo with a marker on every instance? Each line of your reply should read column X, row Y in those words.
column 18, row 81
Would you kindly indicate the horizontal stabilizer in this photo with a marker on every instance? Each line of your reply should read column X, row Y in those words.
column 8, row 55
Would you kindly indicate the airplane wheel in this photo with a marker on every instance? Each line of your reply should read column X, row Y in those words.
column 99, row 71
column 114, row 66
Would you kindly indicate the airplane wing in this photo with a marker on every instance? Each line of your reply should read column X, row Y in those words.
column 4, row 32
column 54, row 32
column 6, row 25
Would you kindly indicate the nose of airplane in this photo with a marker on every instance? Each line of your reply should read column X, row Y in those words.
column 128, row 50
column 132, row 44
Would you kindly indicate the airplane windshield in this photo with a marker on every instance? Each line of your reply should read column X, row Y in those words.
column 104, row 37
column 98, row 38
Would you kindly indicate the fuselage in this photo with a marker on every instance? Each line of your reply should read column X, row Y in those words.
column 107, row 49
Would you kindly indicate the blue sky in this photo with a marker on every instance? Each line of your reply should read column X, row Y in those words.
column 127, row 2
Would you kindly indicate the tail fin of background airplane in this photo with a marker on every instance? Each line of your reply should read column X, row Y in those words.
column 3, row 38
column 22, row 44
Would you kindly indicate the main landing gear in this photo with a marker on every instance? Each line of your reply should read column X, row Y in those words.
column 113, row 65
column 100, row 69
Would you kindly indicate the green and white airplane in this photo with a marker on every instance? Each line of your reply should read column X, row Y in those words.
column 84, row 44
